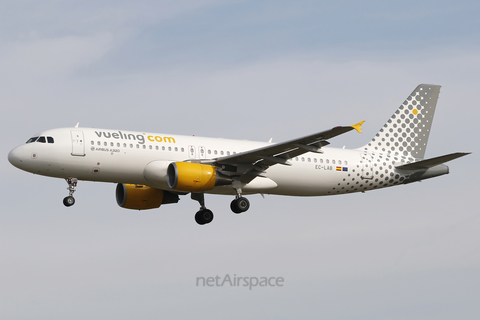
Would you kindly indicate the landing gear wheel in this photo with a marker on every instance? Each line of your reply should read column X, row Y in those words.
column 240, row 205
column 69, row 201
column 233, row 206
column 204, row 216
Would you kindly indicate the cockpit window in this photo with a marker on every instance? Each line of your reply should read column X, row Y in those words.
column 41, row 140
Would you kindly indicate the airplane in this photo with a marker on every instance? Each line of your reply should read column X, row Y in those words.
column 153, row 169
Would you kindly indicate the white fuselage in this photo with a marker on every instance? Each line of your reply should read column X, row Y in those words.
column 123, row 156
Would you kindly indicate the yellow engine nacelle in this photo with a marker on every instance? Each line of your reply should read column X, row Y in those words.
column 194, row 177
column 139, row 197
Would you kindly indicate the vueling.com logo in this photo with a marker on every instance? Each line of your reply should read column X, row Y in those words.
column 135, row 137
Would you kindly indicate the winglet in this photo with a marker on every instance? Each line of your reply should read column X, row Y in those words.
column 358, row 126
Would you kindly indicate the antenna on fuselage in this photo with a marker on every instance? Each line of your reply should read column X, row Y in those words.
column 76, row 126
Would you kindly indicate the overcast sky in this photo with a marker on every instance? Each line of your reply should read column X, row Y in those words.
column 244, row 70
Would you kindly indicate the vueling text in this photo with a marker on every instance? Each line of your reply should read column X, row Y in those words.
column 136, row 137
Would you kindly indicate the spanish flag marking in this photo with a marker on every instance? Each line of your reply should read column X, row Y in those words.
column 339, row 168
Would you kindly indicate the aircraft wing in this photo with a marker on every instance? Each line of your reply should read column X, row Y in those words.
column 280, row 153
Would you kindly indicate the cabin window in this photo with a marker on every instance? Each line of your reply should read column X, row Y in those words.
column 169, row 148
column 215, row 152
column 111, row 144
column 156, row 147
column 32, row 140
column 183, row 150
column 92, row 142
column 228, row 153
column 321, row 160
column 309, row 159
column 138, row 146
column 150, row 147
column 209, row 151
column 176, row 149
column 327, row 161
column 303, row 159
column 339, row 161
column 131, row 145
column 98, row 142
column 105, row 143
column 221, row 153
column 163, row 148
column 315, row 160
column 144, row 147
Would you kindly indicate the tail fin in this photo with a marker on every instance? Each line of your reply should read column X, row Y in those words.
column 407, row 131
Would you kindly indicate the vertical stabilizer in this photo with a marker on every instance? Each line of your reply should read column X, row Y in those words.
column 407, row 131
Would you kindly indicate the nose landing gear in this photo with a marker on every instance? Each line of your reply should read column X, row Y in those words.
column 70, row 200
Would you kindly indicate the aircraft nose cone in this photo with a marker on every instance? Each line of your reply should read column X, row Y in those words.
column 16, row 156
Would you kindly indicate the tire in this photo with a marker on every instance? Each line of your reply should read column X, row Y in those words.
column 234, row 207
column 240, row 205
column 243, row 204
column 69, row 201
column 204, row 216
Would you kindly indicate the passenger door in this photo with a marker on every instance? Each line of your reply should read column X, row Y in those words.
column 78, row 143
column 367, row 166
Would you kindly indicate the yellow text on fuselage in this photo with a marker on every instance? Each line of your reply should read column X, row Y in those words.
column 140, row 138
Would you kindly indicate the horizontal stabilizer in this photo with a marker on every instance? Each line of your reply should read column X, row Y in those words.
column 428, row 163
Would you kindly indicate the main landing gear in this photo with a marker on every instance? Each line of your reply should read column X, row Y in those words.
column 70, row 200
column 240, row 204
column 204, row 215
